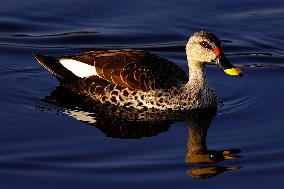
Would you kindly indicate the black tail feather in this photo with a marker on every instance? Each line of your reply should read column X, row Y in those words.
column 53, row 65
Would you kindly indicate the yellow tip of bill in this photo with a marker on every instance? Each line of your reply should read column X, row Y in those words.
column 233, row 71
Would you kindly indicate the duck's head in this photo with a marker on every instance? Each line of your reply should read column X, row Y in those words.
column 204, row 47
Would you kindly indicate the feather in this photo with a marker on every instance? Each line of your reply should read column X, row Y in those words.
column 78, row 68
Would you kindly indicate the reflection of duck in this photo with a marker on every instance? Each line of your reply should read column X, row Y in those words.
column 141, row 80
column 113, row 122
column 198, row 123
column 122, row 123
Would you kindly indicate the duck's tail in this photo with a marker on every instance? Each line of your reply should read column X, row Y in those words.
column 53, row 65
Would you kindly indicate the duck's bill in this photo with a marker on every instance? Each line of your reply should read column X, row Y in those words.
column 228, row 68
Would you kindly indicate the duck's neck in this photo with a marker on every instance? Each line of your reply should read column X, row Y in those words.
column 197, row 72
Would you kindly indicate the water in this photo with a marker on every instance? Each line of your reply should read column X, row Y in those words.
column 44, row 144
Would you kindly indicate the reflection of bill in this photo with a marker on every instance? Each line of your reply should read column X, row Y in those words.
column 119, row 123
column 210, row 171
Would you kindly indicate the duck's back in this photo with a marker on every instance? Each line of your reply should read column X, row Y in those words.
column 133, row 69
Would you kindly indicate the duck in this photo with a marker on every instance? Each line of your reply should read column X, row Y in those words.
column 133, row 78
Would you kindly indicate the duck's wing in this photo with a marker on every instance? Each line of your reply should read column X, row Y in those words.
column 133, row 69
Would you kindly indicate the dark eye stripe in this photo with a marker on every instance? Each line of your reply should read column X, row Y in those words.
column 206, row 45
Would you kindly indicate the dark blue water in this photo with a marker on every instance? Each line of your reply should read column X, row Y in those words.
column 45, row 144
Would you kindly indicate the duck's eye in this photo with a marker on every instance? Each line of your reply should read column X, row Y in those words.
column 205, row 45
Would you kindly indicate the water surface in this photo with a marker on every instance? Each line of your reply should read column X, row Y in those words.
column 45, row 145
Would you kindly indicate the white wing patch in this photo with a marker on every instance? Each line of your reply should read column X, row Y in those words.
column 78, row 68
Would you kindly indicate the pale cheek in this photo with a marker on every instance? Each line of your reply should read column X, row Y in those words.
column 213, row 56
column 209, row 56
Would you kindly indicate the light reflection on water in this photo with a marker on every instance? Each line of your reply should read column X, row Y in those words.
column 40, row 143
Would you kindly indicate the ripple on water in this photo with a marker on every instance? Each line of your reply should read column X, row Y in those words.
column 18, row 85
column 237, row 100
